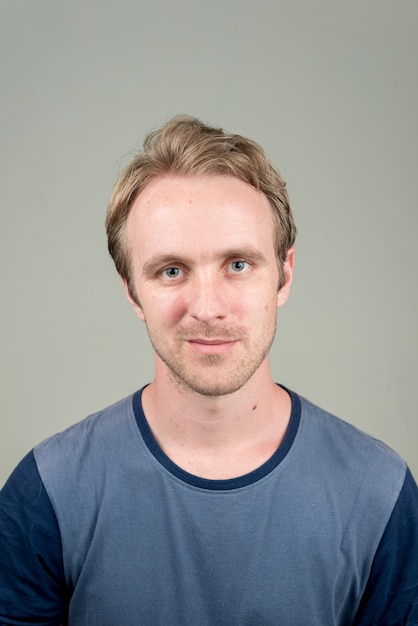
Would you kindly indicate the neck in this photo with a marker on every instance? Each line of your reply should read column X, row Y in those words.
column 222, row 436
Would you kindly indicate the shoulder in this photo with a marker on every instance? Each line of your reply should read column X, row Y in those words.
column 348, row 447
column 88, row 460
column 367, row 475
column 82, row 441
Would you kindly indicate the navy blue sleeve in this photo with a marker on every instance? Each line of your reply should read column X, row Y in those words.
column 32, row 583
column 391, row 595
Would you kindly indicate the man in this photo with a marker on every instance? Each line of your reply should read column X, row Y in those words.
column 213, row 496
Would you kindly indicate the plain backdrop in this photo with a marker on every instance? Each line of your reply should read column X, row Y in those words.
column 328, row 88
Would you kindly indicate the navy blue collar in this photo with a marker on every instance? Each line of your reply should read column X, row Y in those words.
column 218, row 485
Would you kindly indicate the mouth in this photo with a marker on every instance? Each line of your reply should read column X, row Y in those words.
column 211, row 346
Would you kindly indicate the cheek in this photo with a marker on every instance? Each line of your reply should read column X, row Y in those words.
column 256, row 313
column 267, row 311
column 171, row 307
column 177, row 311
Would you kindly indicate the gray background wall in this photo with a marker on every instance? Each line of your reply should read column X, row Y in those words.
column 329, row 88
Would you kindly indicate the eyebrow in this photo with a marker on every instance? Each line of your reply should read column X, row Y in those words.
column 151, row 266
column 246, row 252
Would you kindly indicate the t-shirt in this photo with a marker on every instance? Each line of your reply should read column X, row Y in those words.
column 99, row 527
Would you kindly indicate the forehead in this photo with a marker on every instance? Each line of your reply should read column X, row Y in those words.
column 199, row 212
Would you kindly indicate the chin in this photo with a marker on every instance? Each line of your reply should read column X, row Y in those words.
column 209, row 386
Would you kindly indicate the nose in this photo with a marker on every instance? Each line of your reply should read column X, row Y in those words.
column 207, row 299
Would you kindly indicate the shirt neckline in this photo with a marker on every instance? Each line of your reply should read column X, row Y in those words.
column 214, row 484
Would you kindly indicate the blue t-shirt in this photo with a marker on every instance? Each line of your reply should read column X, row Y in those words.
column 99, row 527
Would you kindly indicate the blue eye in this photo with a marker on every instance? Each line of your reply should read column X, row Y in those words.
column 239, row 266
column 171, row 272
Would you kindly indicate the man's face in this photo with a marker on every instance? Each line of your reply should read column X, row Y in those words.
column 206, row 278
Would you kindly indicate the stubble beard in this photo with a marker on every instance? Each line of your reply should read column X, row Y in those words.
column 188, row 378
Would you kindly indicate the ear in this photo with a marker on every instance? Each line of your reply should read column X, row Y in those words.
column 288, row 266
column 136, row 307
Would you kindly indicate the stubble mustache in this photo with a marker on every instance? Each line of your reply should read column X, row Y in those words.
column 211, row 332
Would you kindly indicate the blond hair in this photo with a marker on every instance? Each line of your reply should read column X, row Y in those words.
column 188, row 147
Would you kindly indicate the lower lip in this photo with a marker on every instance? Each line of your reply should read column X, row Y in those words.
column 211, row 348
